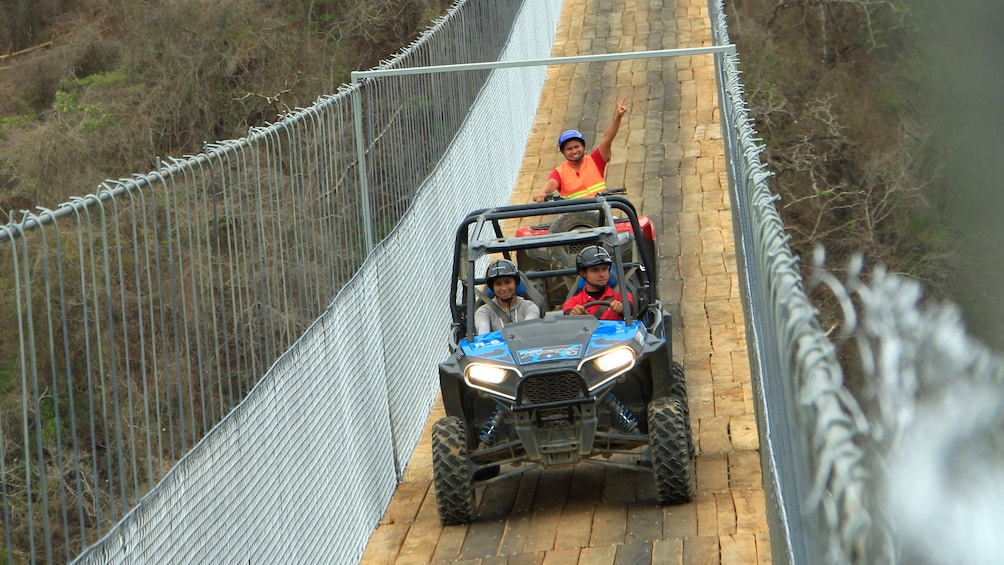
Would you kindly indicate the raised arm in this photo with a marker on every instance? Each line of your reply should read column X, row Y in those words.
column 611, row 131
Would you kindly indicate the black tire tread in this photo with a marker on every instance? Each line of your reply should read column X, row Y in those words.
column 451, row 471
column 573, row 220
column 678, row 390
column 669, row 438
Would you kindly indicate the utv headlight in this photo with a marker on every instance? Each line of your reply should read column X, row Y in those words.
column 616, row 360
column 486, row 374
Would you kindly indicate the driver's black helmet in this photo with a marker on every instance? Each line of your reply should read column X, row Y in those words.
column 500, row 268
column 592, row 255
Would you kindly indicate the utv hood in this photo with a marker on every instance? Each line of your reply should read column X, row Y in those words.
column 552, row 339
column 589, row 352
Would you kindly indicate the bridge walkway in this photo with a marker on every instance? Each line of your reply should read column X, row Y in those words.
column 669, row 154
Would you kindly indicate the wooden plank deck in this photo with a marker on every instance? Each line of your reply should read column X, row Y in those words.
column 669, row 154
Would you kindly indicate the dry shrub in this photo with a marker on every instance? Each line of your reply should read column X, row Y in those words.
column 166, row 77
column 844, row 132
column 878, row 120
column 29, row 84
column 24, row 23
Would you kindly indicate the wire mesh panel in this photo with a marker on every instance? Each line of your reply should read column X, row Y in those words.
column 147, row 311
column 359, row 383
column 786, row 344
column 410, row 121
column 900, row 472
column 417, row 266
column 140, row 315
column 298, row 473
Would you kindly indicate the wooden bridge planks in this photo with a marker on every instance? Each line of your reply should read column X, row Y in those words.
column 670, row 156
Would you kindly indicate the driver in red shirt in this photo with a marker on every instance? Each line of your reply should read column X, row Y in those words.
column 593, row 264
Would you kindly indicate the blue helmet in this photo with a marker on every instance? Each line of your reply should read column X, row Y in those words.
column 569, row 135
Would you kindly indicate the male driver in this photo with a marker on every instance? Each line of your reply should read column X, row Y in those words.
column 582, row 175
column 593, row 264
column 506, row 306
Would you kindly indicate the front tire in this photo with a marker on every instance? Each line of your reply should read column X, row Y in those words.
column 571, row 221
column 678, row 390
column 669, row 438
column 564, row 255
column 451, row 471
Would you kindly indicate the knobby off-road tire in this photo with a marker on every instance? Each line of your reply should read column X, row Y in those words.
column 563, row 256
column 669, row 381
column 668, row 432
column 678, row 390
column 570, row 221
column 451, row 471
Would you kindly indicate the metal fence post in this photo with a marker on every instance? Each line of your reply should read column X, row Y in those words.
column 364, row 191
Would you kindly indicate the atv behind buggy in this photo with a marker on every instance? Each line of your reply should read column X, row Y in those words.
column 564, row 256
column 559, row 390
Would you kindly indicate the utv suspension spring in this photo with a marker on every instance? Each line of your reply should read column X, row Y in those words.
column 623, row 418
column 487, row 436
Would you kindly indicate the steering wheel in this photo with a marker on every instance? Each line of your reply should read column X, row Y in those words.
column 597, row 303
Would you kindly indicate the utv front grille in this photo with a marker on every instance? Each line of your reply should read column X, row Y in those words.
column 548, row 418
column 545, row 389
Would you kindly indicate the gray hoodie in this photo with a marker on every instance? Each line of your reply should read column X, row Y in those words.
column 486, row 319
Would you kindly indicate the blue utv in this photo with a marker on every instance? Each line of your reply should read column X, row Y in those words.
column 560, row 390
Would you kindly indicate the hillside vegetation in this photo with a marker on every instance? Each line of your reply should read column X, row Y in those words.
column 106, row 86
column 98, row 89
column 874, row 114
column 876, row 117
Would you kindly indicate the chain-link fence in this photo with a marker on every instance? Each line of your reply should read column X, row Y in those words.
column 138, row 317
column 141, row 315
column 908, row 468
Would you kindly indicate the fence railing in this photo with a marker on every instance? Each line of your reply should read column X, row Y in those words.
column 899, row 471
column 186, row 389
column 138, row 317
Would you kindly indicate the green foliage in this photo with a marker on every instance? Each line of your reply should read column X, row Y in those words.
column 70, row 108
column 114, row 78
column 23, row 123
column 7, row 378
column 930, row 227
column 71, row 112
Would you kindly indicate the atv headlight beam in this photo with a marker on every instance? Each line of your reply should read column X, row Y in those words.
column 493, row 379
column 607, row 366
column 486, row 374
column 619, row 358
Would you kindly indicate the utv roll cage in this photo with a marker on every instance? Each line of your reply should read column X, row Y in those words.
column 481, row 234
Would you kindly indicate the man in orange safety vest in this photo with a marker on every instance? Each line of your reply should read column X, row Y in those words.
column 582, row 175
